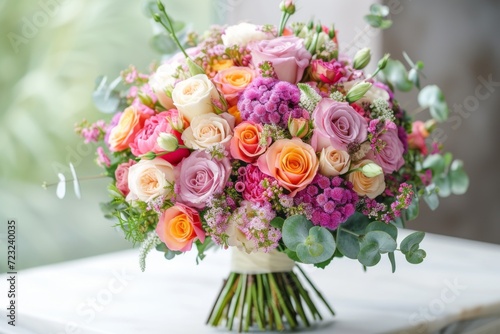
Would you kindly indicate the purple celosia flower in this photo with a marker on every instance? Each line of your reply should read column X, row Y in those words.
column 335, row 202
column 268, row 100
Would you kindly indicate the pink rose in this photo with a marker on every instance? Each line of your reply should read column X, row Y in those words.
column 389, row 155
column 245, row 142
column 199, row 177
column 121, row 176
column 327, row 72
column 146, row 140
column 287, row 54
column 337, row 124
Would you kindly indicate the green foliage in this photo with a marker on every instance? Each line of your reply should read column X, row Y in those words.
column 312, row 244
column 378, row 17
column 396, row 75
column 410, row 247
column 433, row 98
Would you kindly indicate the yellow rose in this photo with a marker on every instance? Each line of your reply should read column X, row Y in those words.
column 123, row 133
column 333, row 162
column 222, row 64
column 366, row 186
column 194, row 96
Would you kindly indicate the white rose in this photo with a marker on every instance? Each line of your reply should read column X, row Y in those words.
column 163, row 81
column 208, row 130
column 333, row 162
column 242, row 34
column 148, row 179
column 193, row 96
column 371, row 95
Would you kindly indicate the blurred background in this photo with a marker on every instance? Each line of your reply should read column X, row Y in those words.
column 51, row 52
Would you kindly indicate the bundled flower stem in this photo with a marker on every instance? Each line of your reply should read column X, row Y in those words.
column 270, row 301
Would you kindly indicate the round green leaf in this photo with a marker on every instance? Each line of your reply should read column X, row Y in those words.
column 382, row 239
column 411, row 240
column 380, row 10
column 395, row 73
column 373, row 20
column 416, row 257
column 348, row 245
column 458, row 178
column 369, row 255
column 436, row 162
column 387, row 228
column 318, row 247
column 444, row 185
column 431, row 97
column 295, row 231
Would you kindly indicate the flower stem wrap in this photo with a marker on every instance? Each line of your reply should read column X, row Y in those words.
column 260, row 262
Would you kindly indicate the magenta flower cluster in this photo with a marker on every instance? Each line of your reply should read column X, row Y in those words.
column 270, row 101
column 329, row 201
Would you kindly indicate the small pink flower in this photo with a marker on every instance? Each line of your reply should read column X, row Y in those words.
column 102, row 158
column 121, row 176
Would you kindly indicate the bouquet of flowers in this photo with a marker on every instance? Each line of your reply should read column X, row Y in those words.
column 270, row 140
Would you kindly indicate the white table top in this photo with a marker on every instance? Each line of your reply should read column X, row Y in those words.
column 458, row 280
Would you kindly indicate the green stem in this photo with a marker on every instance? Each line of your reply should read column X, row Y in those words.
column 346, row 231
column 171, row 31
column 319, row 294
column 282, row 302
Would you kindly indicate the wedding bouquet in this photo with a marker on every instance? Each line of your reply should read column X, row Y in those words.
column 272, row 141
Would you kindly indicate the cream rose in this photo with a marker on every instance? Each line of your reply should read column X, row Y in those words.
column 366, row 186
column 242, row 34
column 193, row 96
column 150, row 178
column 371, row 95
column 163, row 81
column 208, row 130
column 333, row 162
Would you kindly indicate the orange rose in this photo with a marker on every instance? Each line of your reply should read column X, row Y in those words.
column 124, row 132
column 179, row 226
column 291, row 162
column 233, row 111
column 232, row 81
column 364, row 185
column 245, row 142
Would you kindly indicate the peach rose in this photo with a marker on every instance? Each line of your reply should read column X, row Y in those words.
column 291, row 162
column 124, row 132
column 179, row 226
column 366, row 186
column 333, row 162
column 221, row 64
column 233, row 81
column 148, row 179
column 298, row 127
column 245, row 142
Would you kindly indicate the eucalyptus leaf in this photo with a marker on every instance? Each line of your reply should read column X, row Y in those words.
column 356, row 223
column 435, row 162
column 395, row 73
column 414, row 77
column 432, row 200
column 443, row 184
column 348, row 244
column 382, row 239
column 318, row 247
column 292, row 255
column 413, row 209
column 277, row 222
column 369, row 255
column 379, row 10
column 410, row 241
column 385, row 24
column 373, row 20
column 393, row 261
column 432, row 97
column 387, row 228
column 416, row 257
column 459, row 178
column 295, row 231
